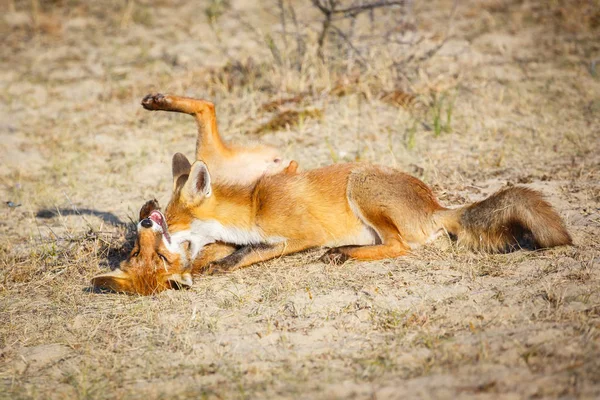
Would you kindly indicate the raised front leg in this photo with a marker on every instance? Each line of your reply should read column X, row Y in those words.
column 249, row 255
column 208, row 141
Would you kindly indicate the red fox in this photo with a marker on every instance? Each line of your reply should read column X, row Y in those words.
column 155, row 264
column 360, row 211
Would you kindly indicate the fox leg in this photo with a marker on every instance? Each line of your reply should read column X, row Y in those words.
column 375, row 216
column 249, row 255
column 389, row 249
column 167, row 102
column 211, row 253
column 208, row 141
column 292, row 168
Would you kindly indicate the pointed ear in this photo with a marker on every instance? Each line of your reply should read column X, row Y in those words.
column 198, row 184
column 181, row 169
column 180, row 281
column 117, row 281
column 148, row 207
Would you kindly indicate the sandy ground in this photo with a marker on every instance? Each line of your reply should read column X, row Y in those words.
column 519, row 94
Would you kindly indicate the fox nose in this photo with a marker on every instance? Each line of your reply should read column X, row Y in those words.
column 146, row 223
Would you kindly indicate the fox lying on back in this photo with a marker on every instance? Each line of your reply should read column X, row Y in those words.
column 361, row 211
column 154, row 264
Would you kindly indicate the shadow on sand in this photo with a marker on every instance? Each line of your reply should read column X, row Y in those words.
column 105, row 216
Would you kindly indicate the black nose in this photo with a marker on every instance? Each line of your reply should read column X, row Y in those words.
column 146, row 223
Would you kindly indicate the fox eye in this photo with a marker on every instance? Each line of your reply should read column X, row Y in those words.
column 137, row 253
column 162, row 257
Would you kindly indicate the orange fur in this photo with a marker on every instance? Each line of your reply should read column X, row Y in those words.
column 144, row 271
column 365, row 212
column 362, row 211
column 150, row 268
column 510, row 219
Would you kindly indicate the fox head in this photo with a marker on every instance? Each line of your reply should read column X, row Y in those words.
column 192, row 192
column 161, row 258
column 154, row 264
column 193, row 200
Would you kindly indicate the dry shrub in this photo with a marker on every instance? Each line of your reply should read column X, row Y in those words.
column 287, row 119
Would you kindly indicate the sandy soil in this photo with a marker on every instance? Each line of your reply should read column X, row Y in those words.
column 517, row 91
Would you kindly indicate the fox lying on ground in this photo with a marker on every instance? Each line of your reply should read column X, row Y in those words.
column 147, row 269
column 361, row 211
column 156, row 263
column 368, row 212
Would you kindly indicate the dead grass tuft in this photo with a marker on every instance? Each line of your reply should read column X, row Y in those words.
column 398, row 98
column 275, row 105
column 288, row 119
column 46, row 260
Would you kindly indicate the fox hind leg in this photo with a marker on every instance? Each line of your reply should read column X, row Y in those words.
column 209, row 145
column 376, row 215
column 391, row 242
column 390, row 248
column 167, row 102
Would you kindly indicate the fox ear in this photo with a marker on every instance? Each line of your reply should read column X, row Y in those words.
column 117, row 281
column 181, row 169
column 148, row 207
column 180, row 281
column 198, row 183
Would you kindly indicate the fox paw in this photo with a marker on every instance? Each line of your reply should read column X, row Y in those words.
column 216, row 268
column 155, row 101
column 334, row 257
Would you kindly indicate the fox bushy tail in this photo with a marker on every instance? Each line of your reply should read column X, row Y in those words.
column 508, row 220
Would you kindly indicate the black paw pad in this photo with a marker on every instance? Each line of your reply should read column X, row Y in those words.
column 153, row 101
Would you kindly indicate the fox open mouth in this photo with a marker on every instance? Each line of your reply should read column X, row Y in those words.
column 159, row 218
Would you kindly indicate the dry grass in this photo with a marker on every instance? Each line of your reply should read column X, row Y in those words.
column 286, row 119
column 80, row 156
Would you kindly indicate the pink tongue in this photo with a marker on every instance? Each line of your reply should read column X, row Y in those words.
column 156, row 217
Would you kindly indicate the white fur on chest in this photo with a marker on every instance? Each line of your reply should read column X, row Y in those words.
column 203, row 232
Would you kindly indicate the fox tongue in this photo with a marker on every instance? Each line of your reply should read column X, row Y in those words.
column 156, row 217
